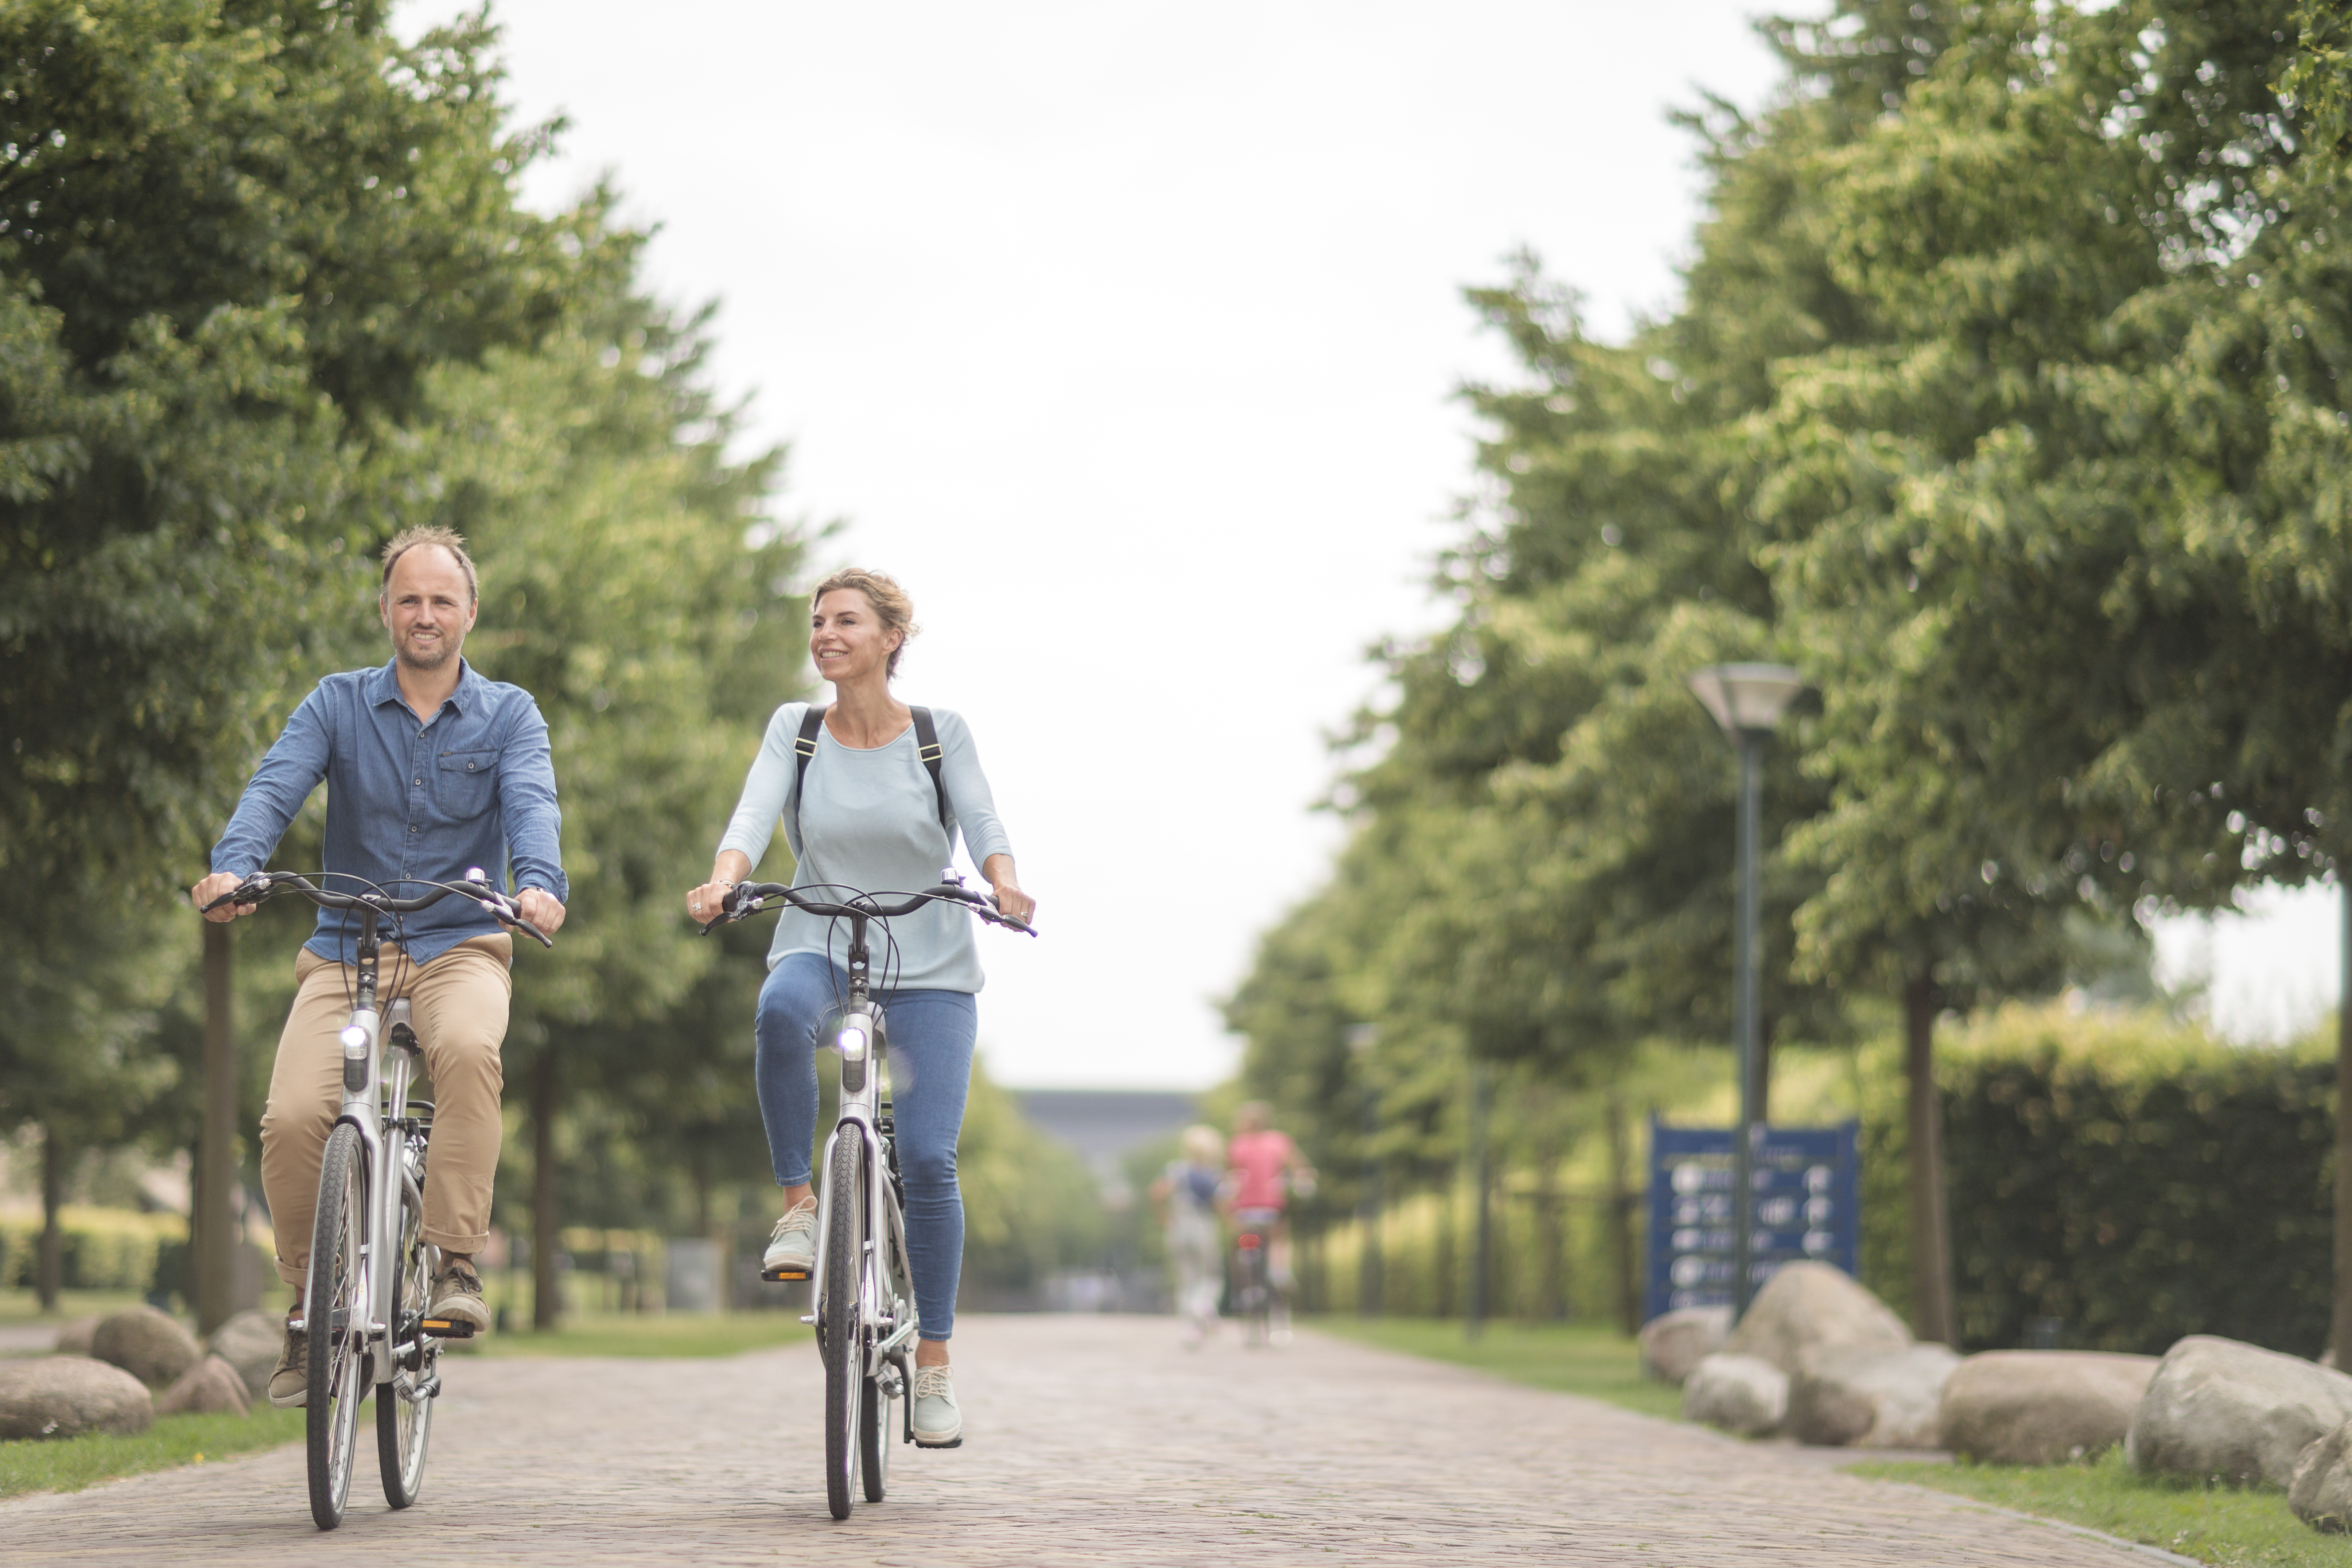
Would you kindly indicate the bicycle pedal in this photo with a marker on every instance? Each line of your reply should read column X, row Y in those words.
column 955, row 1443
column 447, row 1329
column 784, row 1275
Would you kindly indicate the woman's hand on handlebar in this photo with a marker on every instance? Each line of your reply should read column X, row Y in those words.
column 1010, row 901
column 214, row 886
column 708, row 901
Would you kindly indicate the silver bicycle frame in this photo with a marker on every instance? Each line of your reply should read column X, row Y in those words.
column 365, row 1108
column 886, row 1289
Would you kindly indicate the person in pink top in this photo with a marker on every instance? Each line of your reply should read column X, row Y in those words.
column 1264, row 1168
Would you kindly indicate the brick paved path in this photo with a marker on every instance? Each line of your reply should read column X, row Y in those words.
column 1089, row 1440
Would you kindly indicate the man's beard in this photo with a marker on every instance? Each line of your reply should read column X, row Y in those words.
column 444, row 650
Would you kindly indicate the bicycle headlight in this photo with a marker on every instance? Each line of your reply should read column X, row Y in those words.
column 355, row 1040
column 853, row 1044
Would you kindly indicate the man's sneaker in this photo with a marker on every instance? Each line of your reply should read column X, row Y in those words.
column 458, row 1296
column 792, row 1245
column 937, row 1423
column 289, row 1385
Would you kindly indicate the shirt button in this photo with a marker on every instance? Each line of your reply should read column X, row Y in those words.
column 412, row 827
column 420, row 781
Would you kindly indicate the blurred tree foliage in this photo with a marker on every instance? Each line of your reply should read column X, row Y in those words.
column 266, row 294
column 2003, row 399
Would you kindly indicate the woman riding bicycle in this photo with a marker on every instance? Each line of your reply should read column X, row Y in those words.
column 863, row 813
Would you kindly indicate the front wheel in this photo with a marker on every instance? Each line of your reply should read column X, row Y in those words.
column 839, row 1320
column 403, row 1407
column 334, row 1322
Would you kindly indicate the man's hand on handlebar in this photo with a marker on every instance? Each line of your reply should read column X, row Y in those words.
column 540, row 907
column 214, row 886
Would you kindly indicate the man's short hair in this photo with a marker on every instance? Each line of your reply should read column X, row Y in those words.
column 449, row 539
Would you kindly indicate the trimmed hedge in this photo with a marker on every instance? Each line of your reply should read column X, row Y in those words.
column 103, row 1249
column 2137, row 1180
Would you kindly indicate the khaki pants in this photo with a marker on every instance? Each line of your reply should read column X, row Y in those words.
column 460, row 1001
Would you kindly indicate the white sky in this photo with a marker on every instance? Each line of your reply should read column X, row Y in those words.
column 1125, row 336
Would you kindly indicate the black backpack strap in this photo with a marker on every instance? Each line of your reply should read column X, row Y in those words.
column 804, row 749
column 927, row 746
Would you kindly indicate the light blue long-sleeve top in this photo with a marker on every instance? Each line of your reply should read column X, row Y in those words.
column 872, row 821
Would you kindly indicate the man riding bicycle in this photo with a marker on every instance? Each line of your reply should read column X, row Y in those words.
column 1264, row 1168
column 431, row 771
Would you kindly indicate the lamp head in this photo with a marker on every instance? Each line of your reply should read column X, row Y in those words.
column 1747, row 699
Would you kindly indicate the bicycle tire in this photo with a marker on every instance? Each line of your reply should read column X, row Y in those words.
column 874, row 1437
column 333, row 1320
column 402, row 1424
column 844, row 1250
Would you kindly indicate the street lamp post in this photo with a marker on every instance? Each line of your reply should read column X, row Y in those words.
column 1747, row 701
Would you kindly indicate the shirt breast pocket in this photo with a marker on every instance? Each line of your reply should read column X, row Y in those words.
column 468, row 782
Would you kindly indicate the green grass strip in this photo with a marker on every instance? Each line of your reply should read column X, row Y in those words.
column 1573, row 1358
column 69, row 1464
column 2213, row 1524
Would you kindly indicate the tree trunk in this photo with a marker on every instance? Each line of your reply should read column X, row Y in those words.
column 546, row 1223
column 49, row 1263
column 213, row 1215
column 1931, row 1239
column 1552, row 1241
column 1622, row 1201
column 2340, row 1335
column 1450, row 1198
column 698, row 1162
column 1481, row 1176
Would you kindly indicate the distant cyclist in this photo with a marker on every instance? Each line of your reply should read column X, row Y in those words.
column 1186, row 1198
column 868, row 801
column 1264, row 1169
column 431, row 771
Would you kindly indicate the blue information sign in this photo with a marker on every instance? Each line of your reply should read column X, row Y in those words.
column 1807, row 1204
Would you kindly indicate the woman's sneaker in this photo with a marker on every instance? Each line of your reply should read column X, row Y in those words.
column 792, row 1245
column 289, row 1385
column 937, row 1423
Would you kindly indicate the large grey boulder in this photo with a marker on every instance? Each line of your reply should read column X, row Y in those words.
column 2041, row 1407
column 1811, row 1307
column 1672, row 1342
column 150, row 1345
column 1740, row 1393
column 67, row 1396
column 211, row 1386
column 1869, row 1397
column 2216, row 1408
column 73, row 1338
column 2321, row 1491
column 250, row 1343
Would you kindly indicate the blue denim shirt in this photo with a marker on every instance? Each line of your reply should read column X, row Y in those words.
column 474, row 787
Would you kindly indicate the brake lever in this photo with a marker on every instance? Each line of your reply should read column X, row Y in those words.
column 502, row 908
column 729, row 909
column 252, row 891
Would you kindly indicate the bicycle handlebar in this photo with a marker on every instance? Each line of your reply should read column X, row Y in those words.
column 263, row 885
column 746, row 899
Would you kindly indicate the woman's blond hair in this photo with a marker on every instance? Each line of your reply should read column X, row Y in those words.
column 888, row 599
column 1203, row 1146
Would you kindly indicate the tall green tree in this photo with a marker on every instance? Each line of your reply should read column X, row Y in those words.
column 2059, row 528
column 233, row 240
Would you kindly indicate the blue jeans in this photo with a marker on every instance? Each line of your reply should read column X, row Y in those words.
column 930, row 1035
